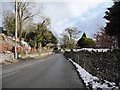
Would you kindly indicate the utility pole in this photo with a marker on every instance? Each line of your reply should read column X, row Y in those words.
column 16, row 29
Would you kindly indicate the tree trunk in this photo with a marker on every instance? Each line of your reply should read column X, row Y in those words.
column 37, row 45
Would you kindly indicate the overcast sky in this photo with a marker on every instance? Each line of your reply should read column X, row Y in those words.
column 86, row 15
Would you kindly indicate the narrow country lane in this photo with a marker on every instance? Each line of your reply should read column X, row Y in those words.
column 51, row 72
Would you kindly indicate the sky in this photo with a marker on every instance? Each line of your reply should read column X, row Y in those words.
column 86, row 15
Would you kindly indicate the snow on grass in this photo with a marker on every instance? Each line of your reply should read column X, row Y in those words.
column 92, row 49
column 93, row 81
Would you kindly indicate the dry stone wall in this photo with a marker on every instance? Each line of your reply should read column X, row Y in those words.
column 6, row 56
column 105, row 65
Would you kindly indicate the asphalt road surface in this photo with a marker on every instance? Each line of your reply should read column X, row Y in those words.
column 50, row 72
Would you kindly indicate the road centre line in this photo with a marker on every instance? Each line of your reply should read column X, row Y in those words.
column 19, row 71
column 9, row 74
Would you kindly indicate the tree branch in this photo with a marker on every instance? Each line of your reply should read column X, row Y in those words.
column 30, row 16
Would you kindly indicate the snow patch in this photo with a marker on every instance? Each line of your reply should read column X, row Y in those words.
column 94, row 82
column 24, row 43
column 91, row 49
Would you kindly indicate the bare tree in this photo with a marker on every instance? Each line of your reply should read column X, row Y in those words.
column 9, row 23
column 69, row 36
column 103, row 40
column 72, row 32
column 24, row 14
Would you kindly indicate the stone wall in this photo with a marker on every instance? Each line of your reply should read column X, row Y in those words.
column 105, row 65
column 6, row 56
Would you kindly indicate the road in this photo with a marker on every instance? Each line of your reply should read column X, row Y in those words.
column 50, row 72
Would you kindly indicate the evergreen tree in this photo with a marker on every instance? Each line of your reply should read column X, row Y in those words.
column 113, row 16
column 85, row 42
column 84, row 35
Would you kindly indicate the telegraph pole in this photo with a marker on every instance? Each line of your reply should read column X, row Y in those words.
column 16, row 29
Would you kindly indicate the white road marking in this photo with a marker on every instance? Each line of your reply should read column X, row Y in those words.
column 9, row 74
column 19, row 71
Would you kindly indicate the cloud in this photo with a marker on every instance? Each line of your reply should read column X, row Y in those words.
column 59, row 0
column 59, row 11
column 91, row 21
column 86, row 15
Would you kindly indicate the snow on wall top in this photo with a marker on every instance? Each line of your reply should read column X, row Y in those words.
column 91, row 49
